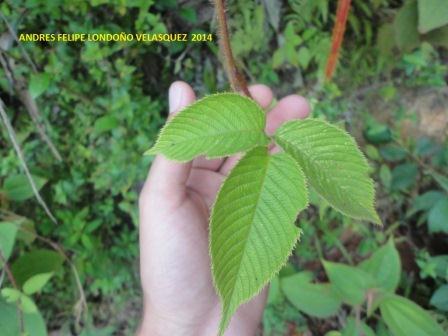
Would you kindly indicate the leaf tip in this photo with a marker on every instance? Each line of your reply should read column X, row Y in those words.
column 375, row 218
column 152, row 151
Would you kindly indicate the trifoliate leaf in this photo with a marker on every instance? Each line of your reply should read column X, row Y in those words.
column 215, row 126
column 252, row 225
column 333, row 165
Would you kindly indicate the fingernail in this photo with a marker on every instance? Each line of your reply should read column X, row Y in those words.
column 175, row 96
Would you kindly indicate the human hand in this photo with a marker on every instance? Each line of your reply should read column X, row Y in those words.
column 179, row 296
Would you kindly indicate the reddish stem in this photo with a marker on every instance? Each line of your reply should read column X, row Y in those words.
column 236, row 79
column 338, row 36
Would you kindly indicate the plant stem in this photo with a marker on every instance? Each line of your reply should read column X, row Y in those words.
column 236, row 79
column 15, row 143
column 14, row 284
column 338, row 36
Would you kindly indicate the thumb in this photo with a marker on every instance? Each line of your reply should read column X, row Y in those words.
column 166, row 176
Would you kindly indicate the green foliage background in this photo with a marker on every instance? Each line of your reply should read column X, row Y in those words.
column 102, row 104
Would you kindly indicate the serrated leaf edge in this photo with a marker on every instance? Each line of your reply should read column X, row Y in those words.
column 222, row 328
column 153, row 150
column 375, row 217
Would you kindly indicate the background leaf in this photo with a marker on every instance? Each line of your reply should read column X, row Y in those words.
column 356, row 329
column 404, row 176
column 36, row 283
column 385, row 266
column 38, row 84
column 405, row 26
column 9, row 322
column 18, row 188
column 440, row 298
column 313, row 299
column 8, row 232
column 432, row 14
column 333, row 165
column 252, row 236
column 438, row 217
column 403, row 317
column 215, row 126
column 35, row 262
column 350, row 283
column 425, row 201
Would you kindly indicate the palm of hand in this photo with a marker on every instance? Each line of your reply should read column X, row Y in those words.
column 174, row 214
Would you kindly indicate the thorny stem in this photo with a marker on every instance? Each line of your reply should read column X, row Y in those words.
column 14, row 284
column 236, row 78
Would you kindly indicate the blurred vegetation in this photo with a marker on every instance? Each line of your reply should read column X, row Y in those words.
column 98, row 106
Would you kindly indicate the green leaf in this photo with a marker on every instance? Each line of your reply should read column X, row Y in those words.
column 440, row 298
column 313, row 299
column 252, row 227
column 432, row 14
column 8, row 232
column 36, row 262
column 333, row 333
column 441, row 265
column 404, row 176
column 11, row 294
column 105, row 124
column 18, row 188
column 38, row 84
column 216, row 126
column 393, row 153
column 385, row 267
column 425, row 201
column 386, row 39
column 333, row 165
column 350, row 283
column 438, row 37
column 378, row 133
column 9, row 321
column 36, row 283
column 27, row 304
column 438, row 217
column 441, row 180
column 385, row 176
column 403, row 317
column 352, row 328
column 405, row 26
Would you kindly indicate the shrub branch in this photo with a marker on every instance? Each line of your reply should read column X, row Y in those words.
column 236, row 78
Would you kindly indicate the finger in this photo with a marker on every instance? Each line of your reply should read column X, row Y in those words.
column 206, row 183
column 168, row 176
column 288, row 108
column 262, row 94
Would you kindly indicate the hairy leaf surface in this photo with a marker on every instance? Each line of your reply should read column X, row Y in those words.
column 333, row 165
column 252, row 225
column 217, row 125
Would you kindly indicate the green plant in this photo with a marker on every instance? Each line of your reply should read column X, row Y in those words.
column 252, row 221
column 366, row 288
